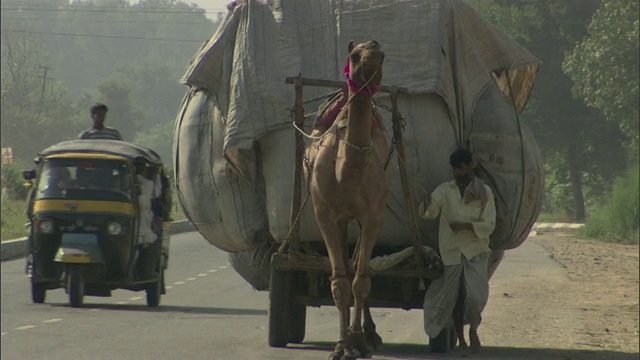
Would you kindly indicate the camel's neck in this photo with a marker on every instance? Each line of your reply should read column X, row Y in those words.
column 359, row 120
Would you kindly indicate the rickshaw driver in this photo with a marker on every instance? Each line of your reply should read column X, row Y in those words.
column 57, row 179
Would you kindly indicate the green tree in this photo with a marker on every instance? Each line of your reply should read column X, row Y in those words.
column 124, row 113
column 604, row 67
column 572, row 136
column 160, row 139
column 151, row 92
column 129, row 56
column 89, row 39
column 34, row 110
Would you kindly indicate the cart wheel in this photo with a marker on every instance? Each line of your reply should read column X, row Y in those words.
column 279, row 307
column 75, row 285
column 298, row 323
column 440, row 344
column 38, row 293
column 154, row 290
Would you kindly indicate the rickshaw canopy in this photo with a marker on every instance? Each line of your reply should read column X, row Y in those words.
column 107, row 147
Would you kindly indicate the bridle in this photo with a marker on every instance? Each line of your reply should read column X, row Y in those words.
column 365, row 90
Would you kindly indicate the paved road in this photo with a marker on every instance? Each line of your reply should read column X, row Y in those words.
column 209, row 312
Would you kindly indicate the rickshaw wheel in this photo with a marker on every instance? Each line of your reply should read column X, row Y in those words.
column 154, row 290
column 76, row 285
column 38, row 293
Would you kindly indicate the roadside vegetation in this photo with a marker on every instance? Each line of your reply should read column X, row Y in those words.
column 13, row 213
column 14, row 217
column 584, row 108
column 618, row 219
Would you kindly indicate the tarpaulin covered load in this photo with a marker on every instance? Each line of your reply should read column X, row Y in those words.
column 466, row 79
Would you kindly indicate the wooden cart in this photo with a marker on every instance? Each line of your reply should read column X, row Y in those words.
column 300, row 272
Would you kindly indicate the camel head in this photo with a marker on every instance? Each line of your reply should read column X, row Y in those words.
column 365, row 64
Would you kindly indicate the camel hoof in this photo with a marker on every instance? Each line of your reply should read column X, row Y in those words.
column 372, row 339
column 360, row 347
column 475, row 342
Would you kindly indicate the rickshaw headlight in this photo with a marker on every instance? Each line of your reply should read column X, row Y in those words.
column 46, row 226
column 114, row 228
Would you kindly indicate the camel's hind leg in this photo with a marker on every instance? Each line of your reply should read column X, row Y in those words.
column 370, row 335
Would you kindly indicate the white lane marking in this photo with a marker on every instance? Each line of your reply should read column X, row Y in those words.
column 93, row 309
column 122, row 302
column 212, row 270
column 179, row 283
column 203, row 274
column 135, row 298
column 4, row 333
column 191, row 279
column 168, row 287
column 222, row 267
column 51, row 321
column 26, row 327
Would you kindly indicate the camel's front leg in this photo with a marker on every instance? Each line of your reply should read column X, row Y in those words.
column 362, row 283
column 334, row 235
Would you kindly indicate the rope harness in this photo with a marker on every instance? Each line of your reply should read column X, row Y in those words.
column 333, row 128
column 366, row 90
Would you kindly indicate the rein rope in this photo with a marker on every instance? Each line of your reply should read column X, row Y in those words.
column 367, row 91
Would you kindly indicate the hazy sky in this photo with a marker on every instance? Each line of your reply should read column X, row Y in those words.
column 211, row 6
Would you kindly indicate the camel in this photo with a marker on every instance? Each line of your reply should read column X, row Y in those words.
column 348, row 181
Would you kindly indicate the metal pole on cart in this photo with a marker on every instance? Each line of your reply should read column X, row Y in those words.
column 397, row 134
column 294, row 240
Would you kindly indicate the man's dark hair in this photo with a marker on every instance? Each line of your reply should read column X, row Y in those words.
column 460, row 157
column 97, row 107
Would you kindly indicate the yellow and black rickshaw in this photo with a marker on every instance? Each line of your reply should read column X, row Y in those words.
column 89, row 215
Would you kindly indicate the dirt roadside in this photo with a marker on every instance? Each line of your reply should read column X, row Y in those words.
column 583, row 305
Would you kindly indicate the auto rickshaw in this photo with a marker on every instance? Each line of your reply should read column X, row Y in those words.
column 87, row 216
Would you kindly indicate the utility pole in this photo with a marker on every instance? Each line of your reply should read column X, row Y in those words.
column 44, row 84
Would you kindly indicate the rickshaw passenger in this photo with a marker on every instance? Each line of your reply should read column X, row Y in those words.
column 150, row 190
column 150, row 222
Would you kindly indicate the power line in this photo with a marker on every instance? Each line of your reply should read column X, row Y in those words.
column 130, row 10
column 102, row 21
column 135, row 6
column 101, row 36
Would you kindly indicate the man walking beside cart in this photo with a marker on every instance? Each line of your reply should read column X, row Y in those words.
column 467, row 218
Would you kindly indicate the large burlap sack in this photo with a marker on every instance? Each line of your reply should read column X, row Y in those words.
column 228, row 210
column 456, row 66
